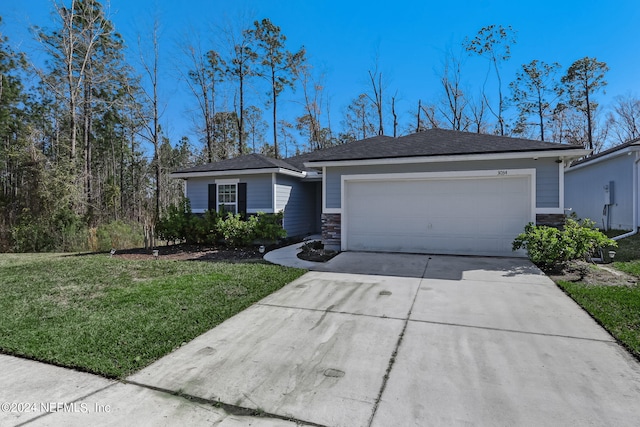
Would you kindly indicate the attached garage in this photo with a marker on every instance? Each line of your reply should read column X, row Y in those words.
column 472, row 213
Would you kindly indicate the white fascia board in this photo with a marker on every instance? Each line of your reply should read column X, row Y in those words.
column 564, row 154
column 282, row 171
column 625, row 151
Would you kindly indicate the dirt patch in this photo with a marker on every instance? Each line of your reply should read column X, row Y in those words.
column 592, row 274
column 193, row 253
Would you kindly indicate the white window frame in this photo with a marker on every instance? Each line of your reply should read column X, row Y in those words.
column 226, row 183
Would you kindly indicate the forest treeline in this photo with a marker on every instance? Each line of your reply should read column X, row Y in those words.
column 85, row 163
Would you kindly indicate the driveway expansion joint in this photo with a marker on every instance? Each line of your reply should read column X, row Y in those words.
column 392, row 360
column 228, row 408
column 514, row 331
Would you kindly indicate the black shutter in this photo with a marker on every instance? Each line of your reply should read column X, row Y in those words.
column 212, row 198
column 242, row 199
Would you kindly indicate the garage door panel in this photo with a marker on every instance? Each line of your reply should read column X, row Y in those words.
column 455, row 216
column 395, row 225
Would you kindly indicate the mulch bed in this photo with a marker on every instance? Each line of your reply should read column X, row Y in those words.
column 314, row 251
column 193, row 253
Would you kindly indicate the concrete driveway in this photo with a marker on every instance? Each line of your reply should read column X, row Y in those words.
column 392, row 340
column 401, row 340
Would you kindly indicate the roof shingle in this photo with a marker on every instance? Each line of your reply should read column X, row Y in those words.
column 432, row 142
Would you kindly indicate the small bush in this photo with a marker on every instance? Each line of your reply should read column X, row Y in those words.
column 268, row 227
column 550, row 248
column 118, row 235
column 62, row 231
column 236, row 231
column 206, row 229
column 176, row 222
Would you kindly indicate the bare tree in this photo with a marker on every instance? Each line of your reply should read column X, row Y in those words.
column 453, row 104
column 624, row 120
column 309, row 124
column 205, row 70
column 478, row 115
column 151, row 117
column 430, row 112
column 494, row 43
column 395, row 116
column 375, row 77
column 256, row 127
column 72, row 48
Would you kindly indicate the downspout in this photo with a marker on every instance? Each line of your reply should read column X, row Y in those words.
column 635, row 201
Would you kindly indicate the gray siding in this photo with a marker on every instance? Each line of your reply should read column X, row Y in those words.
column 547, row 176
column 298, row 201
column 259, row 192
column 584, row 191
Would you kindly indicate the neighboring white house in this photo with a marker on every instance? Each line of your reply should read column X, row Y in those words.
column 604, row 187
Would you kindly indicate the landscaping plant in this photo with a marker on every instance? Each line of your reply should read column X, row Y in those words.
column 180, row 224
column 551, row 248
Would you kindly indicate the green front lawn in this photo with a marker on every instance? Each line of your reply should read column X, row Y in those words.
column 617, row 308
column 112, row 316
column 627, row 253
column 628, row 249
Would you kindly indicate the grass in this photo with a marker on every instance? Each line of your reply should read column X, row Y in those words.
column 628, row 248
column 627, row 253
column 111, row 316
column 617, row 308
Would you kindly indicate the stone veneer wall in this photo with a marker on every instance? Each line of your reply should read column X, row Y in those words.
column 553, row 220
column 331, row 231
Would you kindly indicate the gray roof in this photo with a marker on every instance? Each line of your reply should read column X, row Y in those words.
column 605, row 152
column 432, row 142
column 248, row 161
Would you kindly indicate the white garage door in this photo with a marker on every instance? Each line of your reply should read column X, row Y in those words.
column 470, row 216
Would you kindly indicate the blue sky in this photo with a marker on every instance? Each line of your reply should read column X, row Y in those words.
column 410, row 38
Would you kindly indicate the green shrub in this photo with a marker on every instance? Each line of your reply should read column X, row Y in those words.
column 235, row 231
column 118, row 235
column 550, row 248
column 206, row 228
column 31, row 235
column 176, row 222
column 180, row 224
column 268, row 227
column 62, row 231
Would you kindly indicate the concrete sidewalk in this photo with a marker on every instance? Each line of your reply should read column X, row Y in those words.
column 418, row 340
